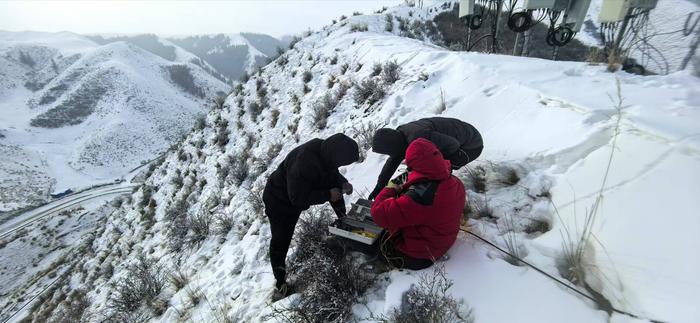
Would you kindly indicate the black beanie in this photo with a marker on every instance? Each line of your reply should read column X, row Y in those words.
column 388, row 141
column 340, row 150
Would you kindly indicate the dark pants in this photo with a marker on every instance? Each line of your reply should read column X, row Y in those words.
column 283, row 218
column 465, row 156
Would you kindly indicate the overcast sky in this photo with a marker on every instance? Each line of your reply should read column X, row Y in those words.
column 276, row 18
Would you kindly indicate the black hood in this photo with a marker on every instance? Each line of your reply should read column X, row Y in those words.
column 390, row 142
column 340, row 150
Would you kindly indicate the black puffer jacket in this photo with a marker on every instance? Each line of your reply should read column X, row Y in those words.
column 453, row 137
column 309, row 171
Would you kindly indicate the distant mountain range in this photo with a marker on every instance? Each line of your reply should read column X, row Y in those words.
column 230, row 55
column 80, row 110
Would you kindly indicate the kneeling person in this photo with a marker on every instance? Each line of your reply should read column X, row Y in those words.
column 422, row 215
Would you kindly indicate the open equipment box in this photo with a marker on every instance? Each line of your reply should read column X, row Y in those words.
column 357, row 225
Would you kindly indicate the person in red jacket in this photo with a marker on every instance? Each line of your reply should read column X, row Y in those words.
column 422, row 215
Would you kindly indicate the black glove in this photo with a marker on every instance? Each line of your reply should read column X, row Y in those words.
column 400, row 179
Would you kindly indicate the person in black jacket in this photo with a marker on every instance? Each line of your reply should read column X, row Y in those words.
column 458, row 141
column 307, row 176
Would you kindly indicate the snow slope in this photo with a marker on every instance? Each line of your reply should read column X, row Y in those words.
column 552, row 122
column 90, row 112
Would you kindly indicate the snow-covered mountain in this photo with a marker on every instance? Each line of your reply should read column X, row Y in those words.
column 76, row 113
column 225, row 56
column 232, row 54
column 561, row 139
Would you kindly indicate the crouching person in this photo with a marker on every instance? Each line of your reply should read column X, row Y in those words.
column 422, row 215
column 307, row 176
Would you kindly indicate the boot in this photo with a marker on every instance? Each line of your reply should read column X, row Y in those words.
column 282, row 292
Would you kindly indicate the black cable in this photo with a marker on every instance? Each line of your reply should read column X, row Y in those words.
column 556, row 279
column 520, row 21
column 475, row 22
column 687, row 28
column 560, row 36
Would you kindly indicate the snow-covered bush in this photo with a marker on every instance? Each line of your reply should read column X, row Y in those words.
column 428, row 301
column 363, row 134
column 148, row 214
column 177, row 228
column 240, row 170
column 294, row 41
column 391, row 72
column 322, row 110
column 344, row 68
column 274, row 117
column 77, row 302
column 178, row 278
column 306, row 76
column 200, row 123
column 177, row 180
column 256, row 201
column 376, row 69
column 142, row 284
column 219, row 102
column 329, row 282
column 342, row 89
column 222, row 134
column 223, row 223
column 293, row 125
column 331, row 81
column 182, row 155
column 474, row 178
column 200, row 225
column 237, row 89
column 389, row 23
column 403, row 24
column 358, row 27
column 369, row 91
column 254, row 109
column 146, row 193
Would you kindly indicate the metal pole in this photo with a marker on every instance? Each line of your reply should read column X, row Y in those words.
column 517, row 50
column 494, row 45
column 469, row 35
column 623, row 29
column 555, row 53
column 526, row 44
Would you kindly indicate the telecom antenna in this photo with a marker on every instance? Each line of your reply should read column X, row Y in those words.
column 623, row 28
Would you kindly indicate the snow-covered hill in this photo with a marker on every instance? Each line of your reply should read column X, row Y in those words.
column 225, row 56
column 548, row 127
column 88, row 113
column 232, row 55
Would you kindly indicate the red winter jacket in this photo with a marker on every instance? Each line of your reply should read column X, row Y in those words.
column 426, row 213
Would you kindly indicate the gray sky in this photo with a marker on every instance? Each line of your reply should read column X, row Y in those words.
column 276, row 18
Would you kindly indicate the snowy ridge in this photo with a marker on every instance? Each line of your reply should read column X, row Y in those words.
column 553, row 122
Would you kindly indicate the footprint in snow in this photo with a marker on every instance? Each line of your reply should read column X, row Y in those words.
column 490, row 91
